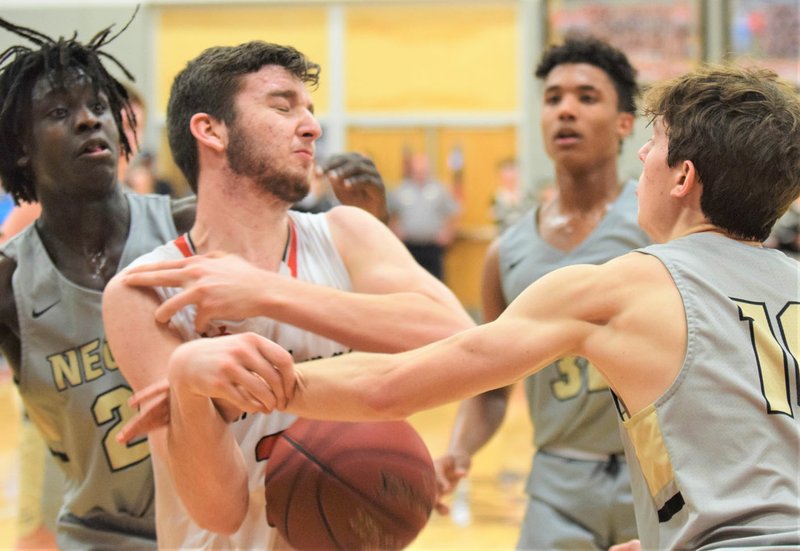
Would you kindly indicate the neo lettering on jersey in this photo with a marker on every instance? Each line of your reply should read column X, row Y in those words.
column 81, row 364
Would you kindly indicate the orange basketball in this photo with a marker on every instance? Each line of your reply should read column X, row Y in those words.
column 336, row 485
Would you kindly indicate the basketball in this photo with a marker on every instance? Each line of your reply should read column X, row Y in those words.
column 337, row 485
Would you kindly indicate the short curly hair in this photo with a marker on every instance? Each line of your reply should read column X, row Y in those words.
column 593, row 51
column 21, row 67
column 740, row 127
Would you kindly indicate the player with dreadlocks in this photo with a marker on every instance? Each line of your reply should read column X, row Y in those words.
column 60, row 135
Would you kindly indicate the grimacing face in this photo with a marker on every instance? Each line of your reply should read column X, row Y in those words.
column 273, row 137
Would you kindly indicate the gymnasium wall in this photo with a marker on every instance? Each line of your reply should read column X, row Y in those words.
column 447, row 77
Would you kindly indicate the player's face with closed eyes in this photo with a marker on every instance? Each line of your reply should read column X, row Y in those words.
column 273, row 137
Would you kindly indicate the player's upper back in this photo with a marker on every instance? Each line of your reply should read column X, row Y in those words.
column 719, row 448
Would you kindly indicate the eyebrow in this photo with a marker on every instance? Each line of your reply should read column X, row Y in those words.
column 581, row 88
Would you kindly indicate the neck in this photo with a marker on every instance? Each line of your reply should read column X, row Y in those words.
column 84, row 223
column 583, row 191
column 85, row 238
column 238, row 218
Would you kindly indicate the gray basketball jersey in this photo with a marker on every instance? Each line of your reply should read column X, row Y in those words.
column 714, row 461
column 569, row 402
column 75, row 394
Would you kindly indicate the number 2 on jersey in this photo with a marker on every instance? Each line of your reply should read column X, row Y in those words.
column 112, row 407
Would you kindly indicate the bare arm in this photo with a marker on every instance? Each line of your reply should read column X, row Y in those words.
column 603, row 313
column 144, row 355
column 395, row 304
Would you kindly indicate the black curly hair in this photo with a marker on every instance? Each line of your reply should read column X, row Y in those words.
column 21, row 67
column 593, row 51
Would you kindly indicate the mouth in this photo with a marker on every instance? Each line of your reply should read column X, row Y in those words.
column 305, row 153
column 95, row 148
column 566, row 137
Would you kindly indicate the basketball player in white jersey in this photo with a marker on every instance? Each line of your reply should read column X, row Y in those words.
column 242, row 129
column 697, row 336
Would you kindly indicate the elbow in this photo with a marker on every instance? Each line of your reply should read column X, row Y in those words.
column 385, row 401
column 224, row 520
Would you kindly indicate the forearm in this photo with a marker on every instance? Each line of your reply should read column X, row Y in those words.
column 367, row 322
column 206, row 463
column 361, row 386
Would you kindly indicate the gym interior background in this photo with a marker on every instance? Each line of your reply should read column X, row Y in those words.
column 452, row 78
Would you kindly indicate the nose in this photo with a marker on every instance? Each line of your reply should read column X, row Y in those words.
column 567, row 107
column 643, row 151
column 87, row 119
column 310, row 127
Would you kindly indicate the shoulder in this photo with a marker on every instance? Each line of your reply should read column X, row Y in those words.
column 492, row 255
column 597, row 293
column 351, row 220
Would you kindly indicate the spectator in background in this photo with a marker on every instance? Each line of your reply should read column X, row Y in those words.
column 142, row 177
column 423, row 214
column 510, row 200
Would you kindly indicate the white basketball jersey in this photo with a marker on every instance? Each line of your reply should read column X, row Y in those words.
column 310, row 256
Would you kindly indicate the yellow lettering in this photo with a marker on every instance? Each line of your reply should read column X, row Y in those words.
column 569, row 384
column 90, row 358
column 66, row 369
column 108, row 357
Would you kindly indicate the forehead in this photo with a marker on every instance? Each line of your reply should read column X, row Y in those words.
column 54, row 82
column 272, row 79
column 579, row 75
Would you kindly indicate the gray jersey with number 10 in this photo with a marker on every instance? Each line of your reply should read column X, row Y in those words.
column 714, row 461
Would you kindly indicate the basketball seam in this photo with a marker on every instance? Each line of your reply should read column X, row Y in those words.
column 344, row 482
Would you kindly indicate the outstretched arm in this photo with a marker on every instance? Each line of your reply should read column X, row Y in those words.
column 394, row 305
column 603, row 313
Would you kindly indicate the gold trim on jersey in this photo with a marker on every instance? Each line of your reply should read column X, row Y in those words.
column 644, row 432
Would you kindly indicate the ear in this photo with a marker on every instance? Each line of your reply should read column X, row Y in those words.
column 625, row 125
column 688, row 181
column 209, row 131
column 23, row 161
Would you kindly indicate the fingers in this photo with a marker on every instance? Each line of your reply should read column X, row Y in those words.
column 175, row 304
column 165, row 277
column 158, row 266
column 250, row 378
column 154, row 414
column 352, row 169
column 143, row 423
column 151, row 392
column 280, row 375
column 441, row 507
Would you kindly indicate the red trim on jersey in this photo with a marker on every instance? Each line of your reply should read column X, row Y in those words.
column 291, row 254
column 183, row 246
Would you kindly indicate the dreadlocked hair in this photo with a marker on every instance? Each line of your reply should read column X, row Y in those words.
column 21, row 67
